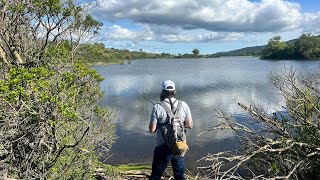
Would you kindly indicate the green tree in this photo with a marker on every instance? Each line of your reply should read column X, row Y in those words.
column 51, row 125
column 307, row 47
column 277, row 50
column 196, row 51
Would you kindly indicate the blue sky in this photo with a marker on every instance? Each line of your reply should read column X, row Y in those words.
column 179, row 26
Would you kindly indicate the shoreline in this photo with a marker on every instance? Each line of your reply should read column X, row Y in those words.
column 123, row 62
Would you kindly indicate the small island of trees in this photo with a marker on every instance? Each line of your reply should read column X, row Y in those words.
column 305, row 47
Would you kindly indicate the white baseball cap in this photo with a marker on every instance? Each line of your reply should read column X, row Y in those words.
column 168, row 85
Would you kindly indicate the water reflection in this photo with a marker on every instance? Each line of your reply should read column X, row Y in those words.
column 205, row 84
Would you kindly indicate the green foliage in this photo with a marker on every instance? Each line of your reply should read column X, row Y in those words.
column 186, row 55
column 306, row 47
column 51, row 125
column 52, row 103
column 74, row 169
column 97, row 53
column 20, row 81
column 276, row 49
column 275, row 170
column 75, row 165
column 196, row 51
column 41, row 26
column 248, row 51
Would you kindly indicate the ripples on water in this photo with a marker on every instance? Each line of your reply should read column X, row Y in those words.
column 205, row 84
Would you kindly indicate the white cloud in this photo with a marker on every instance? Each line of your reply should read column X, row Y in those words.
column 212, row 15
column 172, row 21
column 311, row 23
column 117, row 33
column 205, row 37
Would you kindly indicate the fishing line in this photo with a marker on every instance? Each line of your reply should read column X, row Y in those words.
column 138, row 92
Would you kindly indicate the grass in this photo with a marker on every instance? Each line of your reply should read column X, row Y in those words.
column 146, row 167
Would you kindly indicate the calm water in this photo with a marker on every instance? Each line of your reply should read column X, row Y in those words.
column 205, row 84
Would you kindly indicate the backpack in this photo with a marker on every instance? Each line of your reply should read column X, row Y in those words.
column 173, row 131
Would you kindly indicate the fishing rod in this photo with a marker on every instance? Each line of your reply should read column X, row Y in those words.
column 138, row 92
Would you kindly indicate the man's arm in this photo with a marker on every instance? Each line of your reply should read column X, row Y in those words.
column 188, row 123
column 153, row 120
column 152, row 127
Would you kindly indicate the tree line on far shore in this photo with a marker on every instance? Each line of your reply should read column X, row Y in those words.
column 305, row 47
column 98, row 53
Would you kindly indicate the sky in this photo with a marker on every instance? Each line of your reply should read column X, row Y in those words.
column 179, row 26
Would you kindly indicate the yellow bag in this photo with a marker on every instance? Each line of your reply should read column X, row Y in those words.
column 180, row 148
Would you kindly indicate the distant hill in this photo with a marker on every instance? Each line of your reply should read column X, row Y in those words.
column 247, row 51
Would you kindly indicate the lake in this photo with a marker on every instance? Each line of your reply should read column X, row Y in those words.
column 205, row 84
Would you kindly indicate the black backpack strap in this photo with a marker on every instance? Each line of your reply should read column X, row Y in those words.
column 171, row 104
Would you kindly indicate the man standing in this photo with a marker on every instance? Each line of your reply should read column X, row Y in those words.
column 162, row 117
